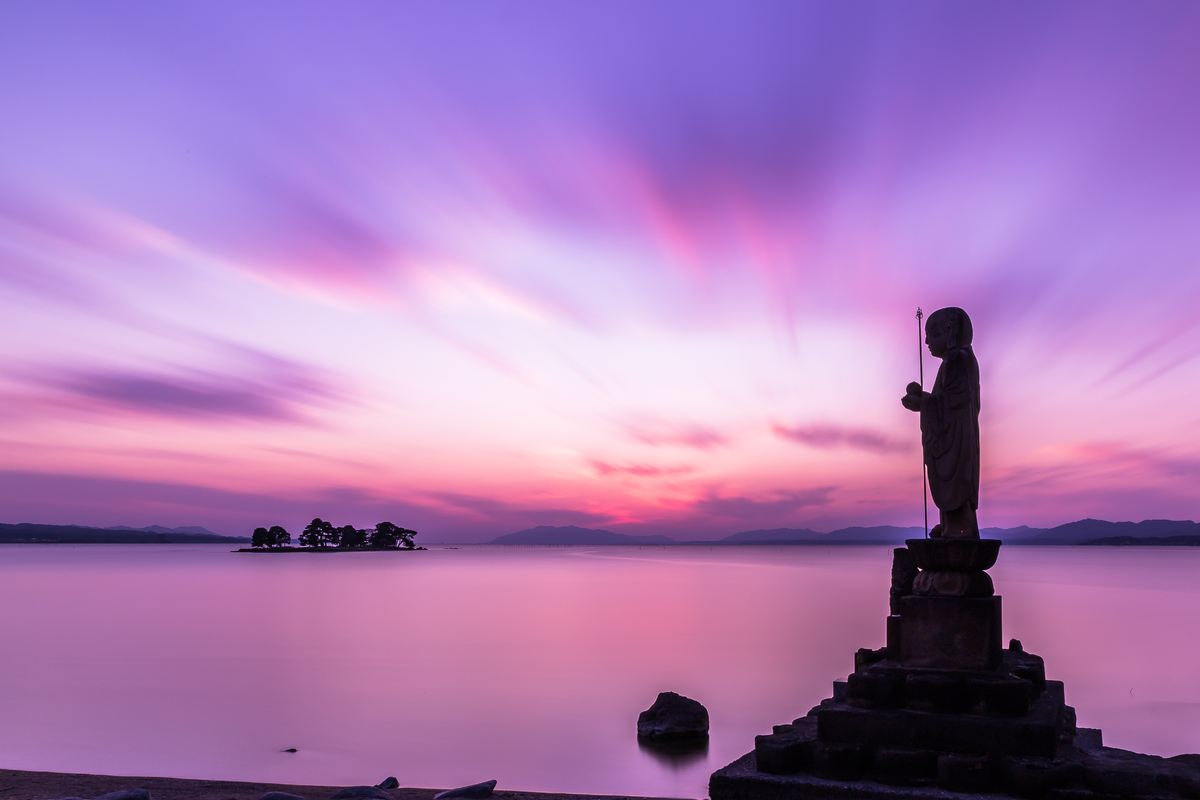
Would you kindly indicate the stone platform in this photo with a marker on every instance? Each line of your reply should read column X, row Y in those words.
column 943, row 711
column 1101, row 773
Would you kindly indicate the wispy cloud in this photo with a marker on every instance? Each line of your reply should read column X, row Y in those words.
column 666, row 434
column 638, row 470
column 504, row 515
column 826, row 436
column 179, row 397
column 280, row 392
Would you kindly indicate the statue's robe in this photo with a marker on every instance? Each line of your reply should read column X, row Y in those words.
column 950, row 431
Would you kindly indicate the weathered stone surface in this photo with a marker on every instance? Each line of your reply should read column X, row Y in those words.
column 1036, row 733
column 1026, row 666
column 1033, row 777
column 935, row 583
column 950, row 632
column 865, row 656
column 941, row 692
column 954, row 555
column 476, row 791
column 673, row 716
column 879, row 688
column 840, row 761
column 789, row 749
column 887, row 685
column 352, row 792
column 126, row 794
column 904, row 570
column 741, row 781
column 1091, row 739
column 893, row 635
column 964, row 772
column 1126, row 778
column 903, row 766
column 1187, row 759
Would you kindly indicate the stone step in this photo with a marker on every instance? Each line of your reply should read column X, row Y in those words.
column 1036, row 733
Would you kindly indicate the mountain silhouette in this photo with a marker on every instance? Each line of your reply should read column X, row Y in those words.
column 571, row 534
column 81, row 534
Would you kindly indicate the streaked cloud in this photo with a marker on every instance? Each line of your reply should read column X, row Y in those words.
column 637, row 470
column 486, row 268
column 669, row 434
column 826, row 436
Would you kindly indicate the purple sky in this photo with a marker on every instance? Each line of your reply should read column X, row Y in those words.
column 652, row 267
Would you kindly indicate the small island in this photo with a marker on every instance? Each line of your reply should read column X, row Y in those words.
column 320, row 536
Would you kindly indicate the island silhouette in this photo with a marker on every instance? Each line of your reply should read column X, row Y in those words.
column 322, row 536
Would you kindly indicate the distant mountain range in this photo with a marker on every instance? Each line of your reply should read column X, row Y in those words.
column 120, row 534
column 1085, row 531
column 571, row 534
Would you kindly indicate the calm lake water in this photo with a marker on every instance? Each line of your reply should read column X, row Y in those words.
column 524, row 664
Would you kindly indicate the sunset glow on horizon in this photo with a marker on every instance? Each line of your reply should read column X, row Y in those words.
column 651, row 268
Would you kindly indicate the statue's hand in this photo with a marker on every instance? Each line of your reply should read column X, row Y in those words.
column 912, row 400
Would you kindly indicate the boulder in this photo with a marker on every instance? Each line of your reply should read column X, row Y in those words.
column 362, row 791
column 673, row 716
column 389, row 783
column 476, row 791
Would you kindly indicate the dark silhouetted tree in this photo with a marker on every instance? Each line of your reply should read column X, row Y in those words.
column 353, row 537
column 260, row 538
column 278, row 537
column 318, row 533
column 381, row 537
column 388, row 535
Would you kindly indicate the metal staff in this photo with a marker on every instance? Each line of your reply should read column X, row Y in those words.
column 924, row 479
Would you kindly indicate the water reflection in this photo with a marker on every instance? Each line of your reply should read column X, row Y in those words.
column 675, row 754
column 529, row 665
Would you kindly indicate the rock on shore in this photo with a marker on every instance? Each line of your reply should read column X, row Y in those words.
column 673, row 716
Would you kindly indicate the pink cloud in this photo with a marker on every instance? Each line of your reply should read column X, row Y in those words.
column 826, row 436
column 639, row 470
column 280, row 391
column 664, row 434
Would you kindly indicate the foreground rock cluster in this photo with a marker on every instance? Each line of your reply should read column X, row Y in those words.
column 476, row 791
column 944, row 709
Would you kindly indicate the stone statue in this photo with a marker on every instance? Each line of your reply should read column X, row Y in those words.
column 950, row 424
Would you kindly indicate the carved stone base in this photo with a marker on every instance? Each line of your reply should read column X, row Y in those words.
column 950, row 632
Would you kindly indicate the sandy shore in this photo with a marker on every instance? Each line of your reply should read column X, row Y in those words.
column 20, row 785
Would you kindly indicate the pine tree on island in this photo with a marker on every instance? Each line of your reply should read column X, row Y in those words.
column 275, row 537
column 322, row 535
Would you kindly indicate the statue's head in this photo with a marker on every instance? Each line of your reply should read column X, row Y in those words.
column 947, row 329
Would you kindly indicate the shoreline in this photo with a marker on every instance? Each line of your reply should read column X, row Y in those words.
column 30, row 785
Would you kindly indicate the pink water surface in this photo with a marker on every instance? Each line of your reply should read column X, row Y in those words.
column 528, row 665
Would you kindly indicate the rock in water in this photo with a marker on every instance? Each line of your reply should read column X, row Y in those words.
column 389, row 783
column 126, row 794
column 673, row 716
column 362, row 791
column 476, row 791
column 280, row 796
